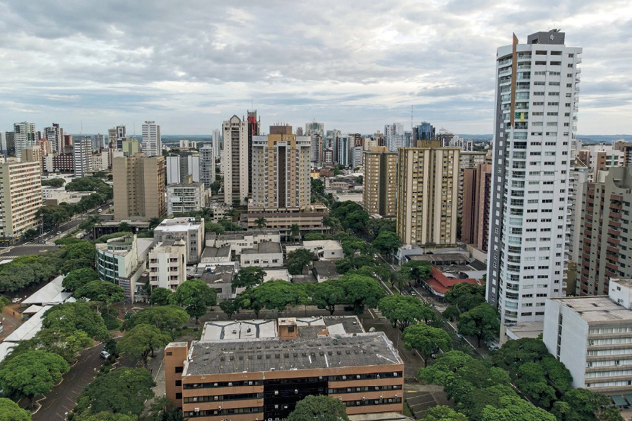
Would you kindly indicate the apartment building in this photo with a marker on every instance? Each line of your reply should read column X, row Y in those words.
column 183, row 198
column 139, row 187
column 20, row 198
column 477, row 185
column 82, row 152
column 537, row 87
column 600, row 157
column 380, row 182
column 189, row 230
column 167, row 264
column 259, row 369
column 152, row 141
column 55, row 135
column 427, row 190
column 130, row 147
column 207, row 165
column 592, row 336
column 235, row 160
column 254, row 125
column 280, row 171
column 24, row 136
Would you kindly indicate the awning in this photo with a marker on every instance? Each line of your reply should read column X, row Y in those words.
column 628, row 397
column 619, row 401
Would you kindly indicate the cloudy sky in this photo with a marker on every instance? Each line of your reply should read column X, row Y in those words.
column 354, row 65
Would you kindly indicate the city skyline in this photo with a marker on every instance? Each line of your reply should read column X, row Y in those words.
column 192, row 66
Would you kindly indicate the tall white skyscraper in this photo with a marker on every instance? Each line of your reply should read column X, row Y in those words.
column 216, row 143
column 82, row 152
column 207, row 165
column 394, row 136
column 55, row 135
column 235, row 160
column 536, row 117
column 152, row 142
column 25, row 137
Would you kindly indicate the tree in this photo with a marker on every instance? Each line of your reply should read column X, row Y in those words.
column 443, row 413
column 328, row 294
column 71, row 317
column 515, row 353
column 32, row 373
column 512, row 408
column 10, row 411
column 166, row 318
column 248, row 277
column 332, row 223
column 142, row 340
column 313, row 236
column 532, row 382
column 57, row 341
column 161, row 296
column 405, row 309
column 416, row 270
column 154, row 222
column 88, row 223
column 386, row 242
column 261, row 222
column 352, row 245
column 298, row 259
column 272, row 295
column 195, row 296
column 481, row 321
column 446, row 364
column 427, row 340
column 54, row 182
column 465, row 296
column 295, row 232
column 583, row 405
column 212, row 227
column 106, row 416
column 361, row 291
column 4, row 301
column 101, row 291
column 162, row 409
column 121, row 391
column 323, row 408
column 229, row 307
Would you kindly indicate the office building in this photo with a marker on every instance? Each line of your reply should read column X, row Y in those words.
column 356, row 157
column 139, row 187
column 423, row 131
column 207, row 165
column 280, row 170
column 189, row 230
column 259, row 369
column 55, row 135
column 380, row 182
column 216, row 143
column 314, row 127
column 592, row 336
column 477, row 187
column 181, row 168
column 98, row 141
column 82, row 152
column 254, row 124
column 130, row 146
column 167, row 264
column 235, row 161
column 394, row 136
column 536, row 113
column 152, row 142
column 331, row 144
column 606, row 244
column 343, row 150
column 427, row 190
column 116, row 137
column 24, row 137
column 20, row 198
column 182, row 198
column 32, row 154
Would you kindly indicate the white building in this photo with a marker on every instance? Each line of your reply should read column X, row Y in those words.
column 323, row 249
column 265, row 255
column 394, row 136
column 152, row 142
column 235, row 160
column 592, row 336
column 24, row 137
column 55, row 135
column 239, row 240
column 181, row 167
column 216, row 143
column 190, row 230
column 535, row 122
column 578, row 179
column 167, row 264
column 82, row 153
column 183, row 198
column 207, row 165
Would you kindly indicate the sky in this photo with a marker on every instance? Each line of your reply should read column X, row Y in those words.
column 353, row 65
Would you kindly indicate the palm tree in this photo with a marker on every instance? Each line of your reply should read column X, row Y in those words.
column 261, row 222
column 295, row 231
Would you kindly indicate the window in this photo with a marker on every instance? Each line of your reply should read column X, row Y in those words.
column 179, row 369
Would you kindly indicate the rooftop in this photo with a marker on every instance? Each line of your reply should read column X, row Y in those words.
column 210, row 252
column 596, row 309
column 324, row 244
column 178, row 224
column 264, row 247
column 325, row 268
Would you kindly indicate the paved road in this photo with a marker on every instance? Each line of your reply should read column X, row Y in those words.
column 59, row 401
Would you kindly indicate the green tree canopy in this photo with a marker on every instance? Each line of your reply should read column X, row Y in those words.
column 142, row 340
column 512, row 408
column 427, row 340
column 161, row 296
column 328, row 294
column 10, row 411
column 272, row 295
column 121, row 391
column 166, row 318
column 443, row 413
column 102, row 291
column 106, row 416
column 361, row 291
column 32, row 373
column 195, row 296
column 584, row 405
column 54, row 182
column 415, row 270
column 465, row 296
column 66, row 344
column 298, row 259
column 386, row 242
column 313, row 236
column 355, row 262
column 515, row 353
column 248, row 277
column 322, row 408
column 481, row 321
column 229, row 307
column 352, row 245
column 70, row 317
column 405, row 310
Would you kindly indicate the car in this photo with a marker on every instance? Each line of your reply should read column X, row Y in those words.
column 16, row 300
column 100, row 210
column 104, row 354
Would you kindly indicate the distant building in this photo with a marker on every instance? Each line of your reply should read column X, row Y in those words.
column 152, row 141
column 254, row 126
column 20, row 198
column 235, row 160
column 167, row 265
column 130, row 147
column 182, row 198
column 82, row 151
column 380, row 182
column 55, row 135
column 207, row 165
column 24, row 136
column 477, row 185
column 139, row 187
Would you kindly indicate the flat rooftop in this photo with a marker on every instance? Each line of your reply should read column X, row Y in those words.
column 239, row 356
column 596, row 309
column 210, row 252
column 622, row 282
column 263, row 248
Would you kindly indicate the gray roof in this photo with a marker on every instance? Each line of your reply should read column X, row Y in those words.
column 264, row 247
column 325, row 268
column 216, row 252
column 596, row 308
column 239, row 356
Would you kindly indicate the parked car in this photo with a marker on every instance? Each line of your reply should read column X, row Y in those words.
column 104, row 354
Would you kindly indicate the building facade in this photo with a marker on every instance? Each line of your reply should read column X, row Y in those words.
column 55, row 135
column 167, row 265
column 427, row 190
column 254, row 124
column 117, row 262
column 24, row 136
column 139, row 187
column 477, row 187
column 152, row 142
column 235, row 161
column 207, row 165
column 20, row 198
column 182, row 198
column 82, row 151
column 189, row 230
column 380, row 182
column 536, row 116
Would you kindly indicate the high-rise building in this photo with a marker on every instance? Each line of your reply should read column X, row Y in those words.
column 116, row 136
column 331, row 143
column 167, row 264
column 235, row 162
column 207, row 165
column 477, row 186
column 183, row 198
column 424, row 131
column 139, row 187
column 343, row 150
column 189, row 230
column 82, row 151
column 254, row 124
column 599, row 157
column 152, row 142
column 380, row 182
column 317, row 132
column 216, row 143
column 427, row 190
column 20, row 198
column 626, row 148
column 183, row 168
column 24, row 136
column 280, row 170
column 130, row 146
column 394, row 136
column 55, row 135
column 314, row 128
column 98, row 141
column 3, row 144
column 536, row 108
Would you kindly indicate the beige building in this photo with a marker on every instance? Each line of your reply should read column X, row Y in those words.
column 235, row 160
column 427, row 193
column 477, row 186
column 20, row 198
column 139, row 187
column 280, row 170
column 182, row 198
column 380, row 181
column 167, row 264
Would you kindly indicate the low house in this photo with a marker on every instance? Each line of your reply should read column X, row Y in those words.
column 439, row 283
column 265, row 255
column 220, row 279
column 324, row 249
column 325, row 270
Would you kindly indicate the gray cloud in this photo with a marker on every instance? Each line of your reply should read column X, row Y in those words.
column 354, row 66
